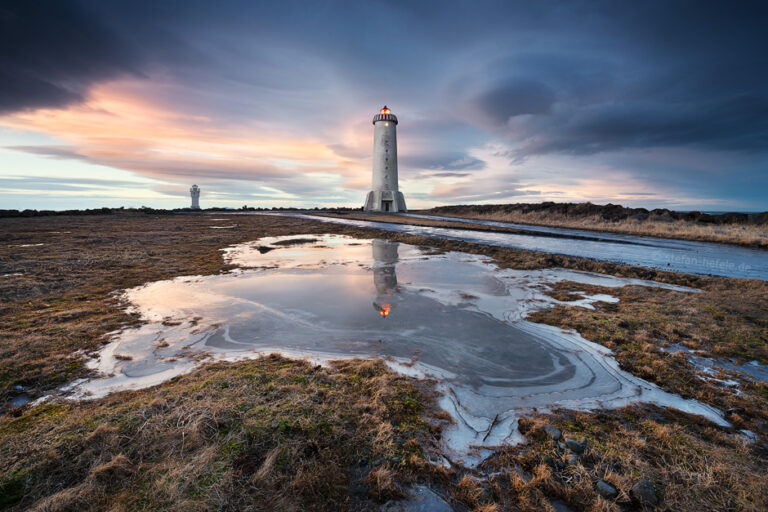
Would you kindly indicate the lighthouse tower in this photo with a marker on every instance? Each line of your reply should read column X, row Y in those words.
column 385, row 196
column 195, row 193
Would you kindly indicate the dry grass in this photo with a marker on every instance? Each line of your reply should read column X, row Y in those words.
column 60, row 306
column 274, row 434
column 727, row 319
column 692, row 465
column 741, row 234
column 268, row 434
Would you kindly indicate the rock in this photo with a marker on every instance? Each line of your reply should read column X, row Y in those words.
column 553, row 432
column 576, row 446
column 560, row 506
column 420, row 499
column 524, row 475
column 606, row 490
column 645, row 492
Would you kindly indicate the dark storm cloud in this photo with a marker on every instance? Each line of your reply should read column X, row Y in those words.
column 52, row 51
column 671, row 74
column 516, row 98
column 599, row 80
column 735, row 123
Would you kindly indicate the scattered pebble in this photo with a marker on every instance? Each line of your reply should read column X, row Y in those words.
column 553, row 432
column 645, row 492
column 606, row 490
column 576, row 446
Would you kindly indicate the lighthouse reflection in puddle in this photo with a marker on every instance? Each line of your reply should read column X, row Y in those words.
column 384, row 275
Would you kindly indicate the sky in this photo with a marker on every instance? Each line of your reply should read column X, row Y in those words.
column 128, row 103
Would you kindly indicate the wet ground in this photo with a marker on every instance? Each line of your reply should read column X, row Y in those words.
column 660, row 253
column 453, row 317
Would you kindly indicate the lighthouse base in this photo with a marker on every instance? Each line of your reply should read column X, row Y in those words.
column 391, row 201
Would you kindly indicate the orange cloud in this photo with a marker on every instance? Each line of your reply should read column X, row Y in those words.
column 117, row 127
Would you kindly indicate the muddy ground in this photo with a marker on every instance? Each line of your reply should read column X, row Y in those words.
column 273, row 434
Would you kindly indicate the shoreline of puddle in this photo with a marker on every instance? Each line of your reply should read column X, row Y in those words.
column 452, row 317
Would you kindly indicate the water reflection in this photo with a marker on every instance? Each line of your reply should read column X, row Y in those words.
column 667, row 254
column 455, row 317
column 384, row 275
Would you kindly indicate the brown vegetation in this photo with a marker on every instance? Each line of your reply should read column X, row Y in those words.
column 690, row 465
column 279, row 434
column 735, row 228
column 57, row 299
column 268, row 434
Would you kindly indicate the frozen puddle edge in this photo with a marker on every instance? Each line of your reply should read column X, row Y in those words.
column 453, row 317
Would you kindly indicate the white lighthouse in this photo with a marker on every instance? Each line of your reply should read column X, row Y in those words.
column 384, row 196
column 195, row 193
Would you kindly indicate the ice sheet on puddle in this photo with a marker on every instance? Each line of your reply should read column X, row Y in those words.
column 453, row 317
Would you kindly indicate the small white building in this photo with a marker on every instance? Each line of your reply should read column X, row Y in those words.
column 385, row 195
column 195, row 193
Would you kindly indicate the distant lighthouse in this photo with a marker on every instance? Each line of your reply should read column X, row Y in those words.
column 385, row 196
column 195, row 193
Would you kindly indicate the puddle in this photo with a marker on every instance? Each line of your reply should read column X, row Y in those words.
column 712, row 367
column 454, row 317
column 685, row 256
column 223, row 227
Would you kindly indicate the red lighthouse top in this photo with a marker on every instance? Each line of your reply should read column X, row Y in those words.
column 385, row 115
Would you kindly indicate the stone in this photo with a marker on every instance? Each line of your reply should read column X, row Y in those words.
column 577, row 446
column 553, row 432
column 560, row 506
column 524, row 475
column 420, row 499
column 645, row 492
column 606, row 490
